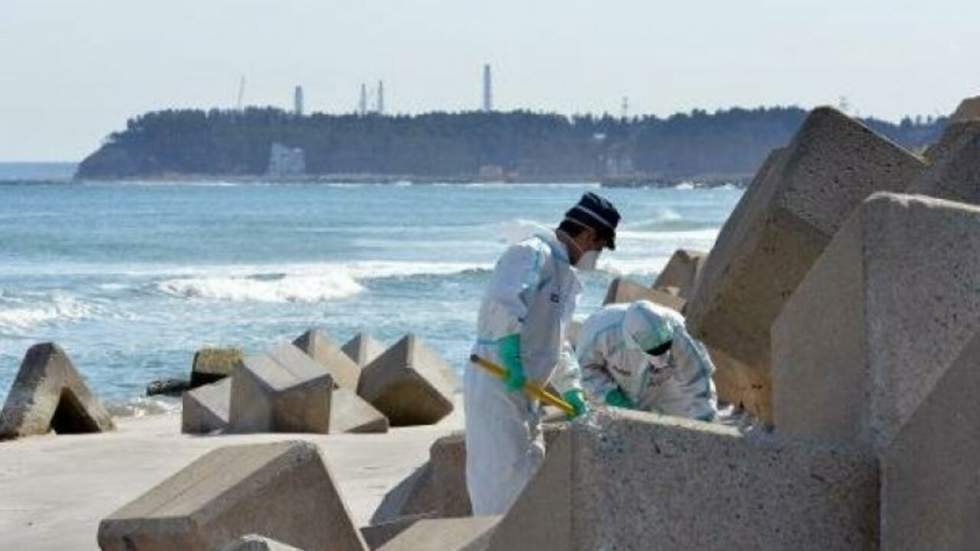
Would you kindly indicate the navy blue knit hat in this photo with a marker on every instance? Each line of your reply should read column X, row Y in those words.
column 597, row 213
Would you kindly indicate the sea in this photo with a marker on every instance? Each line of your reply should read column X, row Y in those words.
column 132, row 278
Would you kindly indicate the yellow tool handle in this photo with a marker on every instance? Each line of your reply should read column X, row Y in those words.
column 533, row 389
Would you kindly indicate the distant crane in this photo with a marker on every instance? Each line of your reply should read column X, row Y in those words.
column 487, row 89
column 362, row 105
column 241, row 92
column 381, row 97
column 625, row 113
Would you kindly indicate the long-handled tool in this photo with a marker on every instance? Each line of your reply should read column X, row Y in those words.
column 534, row 389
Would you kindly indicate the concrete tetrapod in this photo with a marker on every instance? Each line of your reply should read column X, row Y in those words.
column 281, row 391
column 681, row 271
column 213, row 364
column 782, row 224
column 930, row 493
column 350, row 413
column 624, row 290
column 205, row 409
column 968, row 110
column 282, row 490
column 878, row 320
column 319, row 346
column 955, row 170
column 632, row 480
column 49, row 394
column 363, row 349
column 410, row 384
column 253, row 542
column 445, row 534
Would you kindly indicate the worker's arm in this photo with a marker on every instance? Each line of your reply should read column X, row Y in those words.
column 693, row 370
column 596, row 379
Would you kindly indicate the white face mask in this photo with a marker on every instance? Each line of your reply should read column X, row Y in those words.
column 587, row 262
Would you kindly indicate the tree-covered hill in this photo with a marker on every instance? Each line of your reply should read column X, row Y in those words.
column 520, row 144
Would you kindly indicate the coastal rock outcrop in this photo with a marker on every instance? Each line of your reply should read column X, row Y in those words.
column 797, row 202
column 283, row 491
column 283, row 390
column 878, row 320
column 410, row 384
column 49, row 394
column 631, row 478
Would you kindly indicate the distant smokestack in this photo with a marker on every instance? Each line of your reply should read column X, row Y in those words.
column 487, row 89
column 298, row 100
column 362, row 106
column 381, row 97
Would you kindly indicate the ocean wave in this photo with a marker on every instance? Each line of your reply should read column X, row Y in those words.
column 302, row 282
column 633, row 266
column 142, row 405
column 260, row 289
column 24, row 313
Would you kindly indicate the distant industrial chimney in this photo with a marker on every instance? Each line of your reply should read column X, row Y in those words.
column 362, row 106
column 487, row 89
column 381, row 98
column 298, row 101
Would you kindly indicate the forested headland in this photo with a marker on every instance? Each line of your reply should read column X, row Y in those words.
column 518, row 145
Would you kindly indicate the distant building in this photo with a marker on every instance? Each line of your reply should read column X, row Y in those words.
column 380, row 107
column 286, row 161
column 487, row 89
column 493, row 173
column 298, row 100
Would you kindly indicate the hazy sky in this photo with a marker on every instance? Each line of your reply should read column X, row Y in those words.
column 72, row 71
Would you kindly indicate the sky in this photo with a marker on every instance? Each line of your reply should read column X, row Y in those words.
column 73, row 71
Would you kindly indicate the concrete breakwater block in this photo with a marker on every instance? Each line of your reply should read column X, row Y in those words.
column 634, row 480
column 681, row 271
column 325, row 351
column 410, row 384
column 49, row 394
column 283, row 390
column 968, row 110
column 283, row 491
column 955, row 170
column 206, row 408
column 414, row 496
column 350, row 413
column 624, row 290
column 878, row 320
column 930, row 488
column 253, row 542
column 445, row 534
column 377, row 535
column 212, row 364
column 363, row 349
column 798, row 201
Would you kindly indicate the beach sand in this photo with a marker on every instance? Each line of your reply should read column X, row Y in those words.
column 54, row 490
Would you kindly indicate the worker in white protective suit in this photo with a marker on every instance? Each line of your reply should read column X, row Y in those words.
column 528, row 304
column 640, row 356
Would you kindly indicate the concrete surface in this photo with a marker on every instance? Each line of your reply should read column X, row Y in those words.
column 56, row 489
column 49, row 394
column 253, row 542
column 281, row 490
column 878, row 320
column 781, row 226
column 955, row 170
column 969, row 109
column 363, row 349
column 445, row 534
column 325, row 351
column 350, row 413
column 206, row 408
column 212, row 364
column 624, row 290
column 669, row 483
column 930, row 473
column 283, row 390
column 410, row 384
column 681, row 271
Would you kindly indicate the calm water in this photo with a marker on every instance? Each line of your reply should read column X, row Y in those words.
column 131, row 279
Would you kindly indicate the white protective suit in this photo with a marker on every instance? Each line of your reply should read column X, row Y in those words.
column 533, row 292
column 612, row 357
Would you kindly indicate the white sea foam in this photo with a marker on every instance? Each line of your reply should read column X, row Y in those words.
column 18, row 315
column 142, row 405
column 633, row 266
column 300, row 282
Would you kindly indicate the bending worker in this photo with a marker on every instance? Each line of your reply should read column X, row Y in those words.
column 640, row 356
column 527, row 306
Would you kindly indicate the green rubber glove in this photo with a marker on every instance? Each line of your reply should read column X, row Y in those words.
column 509, row 349
column 617, row 398
column 576, row 399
